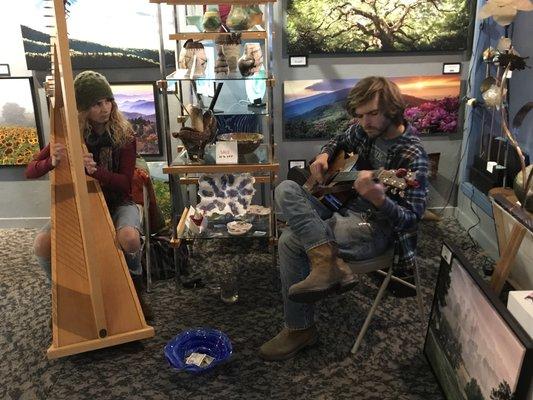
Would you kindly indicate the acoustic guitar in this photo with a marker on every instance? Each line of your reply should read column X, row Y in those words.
column 337, row 187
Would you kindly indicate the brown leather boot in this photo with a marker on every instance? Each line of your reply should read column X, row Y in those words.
column 327, row 273
column 288, row 343
column 348, row 278
column 139, row 288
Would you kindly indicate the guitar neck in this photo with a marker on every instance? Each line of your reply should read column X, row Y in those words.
column 348, row 176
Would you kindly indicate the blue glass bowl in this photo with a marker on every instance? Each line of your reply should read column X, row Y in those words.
column 199, row 340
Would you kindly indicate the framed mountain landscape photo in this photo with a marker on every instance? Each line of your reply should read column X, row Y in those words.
column 138, row 102
column 376, row 26
column 315, row 109
column 20, row 129
column 128, row 40
column 475, row 347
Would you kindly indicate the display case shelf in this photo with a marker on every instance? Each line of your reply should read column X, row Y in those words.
column 185, row 75
column 217, row 228
column 261, row 159
column 208, row 2
column 245, row 35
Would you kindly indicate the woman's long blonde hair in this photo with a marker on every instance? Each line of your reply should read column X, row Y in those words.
column 118, row 126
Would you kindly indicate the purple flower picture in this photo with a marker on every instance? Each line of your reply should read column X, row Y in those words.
column 315, row 109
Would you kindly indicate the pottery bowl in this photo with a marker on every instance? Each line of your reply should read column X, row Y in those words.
column 246, row 142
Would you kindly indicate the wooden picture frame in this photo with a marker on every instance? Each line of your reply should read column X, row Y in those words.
column 469, row 328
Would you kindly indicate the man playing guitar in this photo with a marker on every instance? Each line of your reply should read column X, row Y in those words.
column 317, row 240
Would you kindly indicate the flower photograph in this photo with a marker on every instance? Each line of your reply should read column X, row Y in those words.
column 315, row 109
column 19, row 135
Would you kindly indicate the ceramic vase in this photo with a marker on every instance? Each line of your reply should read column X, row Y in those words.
column 255, row 15
column 251, row 60
column 221, row 64
column 193, row 58
column 238, row 19
column 211, row 21
column 232, row 52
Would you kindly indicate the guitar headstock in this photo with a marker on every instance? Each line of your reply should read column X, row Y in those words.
column 397, row 180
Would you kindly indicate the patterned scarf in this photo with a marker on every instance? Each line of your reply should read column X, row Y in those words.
column 106, row 157
column 101, row 146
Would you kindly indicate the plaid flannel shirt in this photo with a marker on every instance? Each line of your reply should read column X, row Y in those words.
column 403, row 212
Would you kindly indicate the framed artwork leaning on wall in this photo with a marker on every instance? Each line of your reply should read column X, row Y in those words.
column 20, row 125
column 475, row 347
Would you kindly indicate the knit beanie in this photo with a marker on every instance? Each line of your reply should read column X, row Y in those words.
column 91, row 87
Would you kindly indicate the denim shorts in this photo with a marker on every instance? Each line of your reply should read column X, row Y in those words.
column 124, row 215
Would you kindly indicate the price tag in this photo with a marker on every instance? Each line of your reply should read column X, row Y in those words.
column 226, row 152
column 446, row 253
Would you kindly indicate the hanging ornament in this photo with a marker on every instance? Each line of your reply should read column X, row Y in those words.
column 504, row 11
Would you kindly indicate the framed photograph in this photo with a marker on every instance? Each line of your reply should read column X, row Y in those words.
column 362, row 27
column 297, row 163
column 315, row 109
column 120, row 45
column 20, row 126
column 297, row 61
column 138, row 102
column 474, row 345
column 4, row 70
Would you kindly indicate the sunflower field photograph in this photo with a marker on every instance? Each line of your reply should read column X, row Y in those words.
column 19, row 131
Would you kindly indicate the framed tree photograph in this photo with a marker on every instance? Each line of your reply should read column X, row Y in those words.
column 475, row 347
column 316, row 109
column 20, row 127
column 376, row 26
column 138, row 102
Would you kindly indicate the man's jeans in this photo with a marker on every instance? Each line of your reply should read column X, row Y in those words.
column 311, row 224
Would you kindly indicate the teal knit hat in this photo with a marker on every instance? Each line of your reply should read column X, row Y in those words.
column 90, row 87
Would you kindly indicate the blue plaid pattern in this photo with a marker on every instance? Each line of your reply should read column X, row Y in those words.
column 404, row 212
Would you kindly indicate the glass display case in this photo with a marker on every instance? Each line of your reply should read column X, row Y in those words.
column 222, row 85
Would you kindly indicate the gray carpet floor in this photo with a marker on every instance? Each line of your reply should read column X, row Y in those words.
column 389, row 365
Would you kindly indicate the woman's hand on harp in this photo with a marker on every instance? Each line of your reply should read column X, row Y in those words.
column 57, row 152
column 89, row 163
column 319, row 167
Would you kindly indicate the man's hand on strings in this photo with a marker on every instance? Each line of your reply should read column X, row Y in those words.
column 57, row 152
column 370, row 189
column 319, row 167
column 89, row 163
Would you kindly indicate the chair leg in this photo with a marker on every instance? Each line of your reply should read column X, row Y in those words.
column 146, row 223
column 380, row 294
column 419, row 296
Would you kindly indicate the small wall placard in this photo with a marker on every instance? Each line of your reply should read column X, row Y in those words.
column 297, row 61
column 451, row 68
column 226, row 152
column 4, row 70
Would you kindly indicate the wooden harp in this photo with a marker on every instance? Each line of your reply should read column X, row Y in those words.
column 94, row 303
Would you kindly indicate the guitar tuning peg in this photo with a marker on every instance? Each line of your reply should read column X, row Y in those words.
column 412, row 183
column 401, row 172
